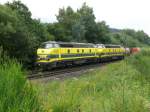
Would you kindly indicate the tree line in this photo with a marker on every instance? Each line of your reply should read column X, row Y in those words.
column 20, row 34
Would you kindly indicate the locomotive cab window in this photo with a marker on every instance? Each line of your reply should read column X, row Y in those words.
column 46, row 46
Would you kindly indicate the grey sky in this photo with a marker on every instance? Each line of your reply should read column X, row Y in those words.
column 117, row 13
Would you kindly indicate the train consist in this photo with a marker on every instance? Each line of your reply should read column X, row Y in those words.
column 52, row 54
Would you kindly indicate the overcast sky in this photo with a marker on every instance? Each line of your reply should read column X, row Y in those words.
column 133, row 14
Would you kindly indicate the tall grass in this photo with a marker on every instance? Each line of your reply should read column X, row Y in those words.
column 16, row 94
column 120, row 87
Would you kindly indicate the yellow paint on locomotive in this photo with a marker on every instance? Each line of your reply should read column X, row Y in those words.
column 109, row 52
column 65, row 54
column 61, row 54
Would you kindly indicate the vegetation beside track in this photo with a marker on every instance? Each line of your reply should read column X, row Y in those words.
column 120, row 87
column 16, row 94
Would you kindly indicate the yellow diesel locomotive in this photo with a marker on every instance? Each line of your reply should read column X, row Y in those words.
column 52, row 54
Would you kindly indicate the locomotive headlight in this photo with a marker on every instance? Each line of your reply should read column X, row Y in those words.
column 38, row 58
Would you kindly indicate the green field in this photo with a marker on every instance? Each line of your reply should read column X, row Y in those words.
column 119, row 87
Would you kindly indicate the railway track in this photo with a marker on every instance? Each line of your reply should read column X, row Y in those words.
column 64, row 72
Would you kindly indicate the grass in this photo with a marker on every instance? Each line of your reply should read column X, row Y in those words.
column 16, row 94
column 120, row 87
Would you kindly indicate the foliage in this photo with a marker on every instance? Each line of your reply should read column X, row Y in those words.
column 130, row 38
column 20, row 35
column 14, row 36
column 78, row 26
column 16, row 94
column 138, row 35
column 118, row 87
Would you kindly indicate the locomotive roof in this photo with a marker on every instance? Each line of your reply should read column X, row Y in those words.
column 74, row 44
column 59, row 42
column 112, row 46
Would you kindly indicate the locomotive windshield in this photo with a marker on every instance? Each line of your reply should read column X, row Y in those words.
column 100, row 46
column 46, row 46
column 49, row 45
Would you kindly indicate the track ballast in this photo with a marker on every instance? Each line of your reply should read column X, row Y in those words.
column 65, row 72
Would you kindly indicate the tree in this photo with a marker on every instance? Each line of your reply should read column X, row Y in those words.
column 14, row 35
column 59, row 32
column 22, row 34
column 78, row 32
column 22, row 10
column 87, row 19
column 79, row 26
column 103, row 32
column 67, row 18
column 140, row 36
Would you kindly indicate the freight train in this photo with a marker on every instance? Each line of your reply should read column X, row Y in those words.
column 52, row 54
